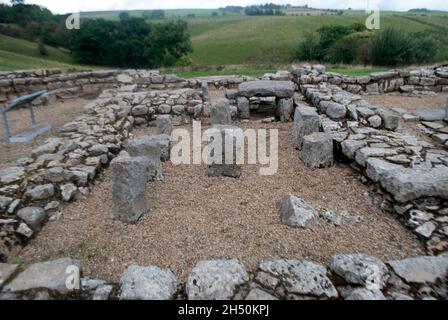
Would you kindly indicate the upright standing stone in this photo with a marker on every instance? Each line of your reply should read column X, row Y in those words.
column 129, row 177
column 284, row 109
column 205, row 91
column 220, row 112
column 317, row 151
column 164, row 125
column 306, row 121
column 226, row 165
column 446, row 111
column 150, row 148
column 243, row 107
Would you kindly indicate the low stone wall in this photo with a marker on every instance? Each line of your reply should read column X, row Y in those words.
column 410, row 176
column 432, row 79
column 347, row 277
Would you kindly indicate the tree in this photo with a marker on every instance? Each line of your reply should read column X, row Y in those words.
column 167, row 43
column 124, row 16
column 391, row 47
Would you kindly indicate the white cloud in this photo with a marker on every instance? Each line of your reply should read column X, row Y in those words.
column 59, row 6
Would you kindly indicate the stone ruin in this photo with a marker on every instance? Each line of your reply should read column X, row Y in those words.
column 331, row 123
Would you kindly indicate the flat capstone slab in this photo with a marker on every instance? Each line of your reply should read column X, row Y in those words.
column 266, row 88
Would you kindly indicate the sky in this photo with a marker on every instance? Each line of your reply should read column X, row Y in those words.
column 58, row 6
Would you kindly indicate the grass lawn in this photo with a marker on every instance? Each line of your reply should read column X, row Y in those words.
column 245, row 71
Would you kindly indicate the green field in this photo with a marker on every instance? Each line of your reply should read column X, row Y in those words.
column 18, row 54
column 236, row 39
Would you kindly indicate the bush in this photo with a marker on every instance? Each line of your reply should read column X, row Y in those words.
column 350, row 49
column 391, row 47
column 42, row 49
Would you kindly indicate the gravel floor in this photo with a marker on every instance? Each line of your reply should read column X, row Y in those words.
column 195, row 217
column 409, row 103
column 56, row 114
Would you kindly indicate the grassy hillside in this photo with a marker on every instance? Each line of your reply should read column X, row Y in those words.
column 18, row 54
column 237, row 39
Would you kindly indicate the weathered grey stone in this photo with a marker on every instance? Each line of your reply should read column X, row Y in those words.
column 317, row 150
column 11, row 174
column 24, row 230
column 375, row 121
column 33, row 216
column 426, row 230
column 4, row 203
column 98, row 149
column 364, row 153
column 49, row 147
column 13, row 206
column 258, row 294
column 147, row 146
column 284, row 109
column 68, row 191
column 243, row 105
column 102, row 293
column 129, row 177
column 223, row 160
column 220, row 112
column 423, row 269
column 164, row 142
column 378, row 168
column 51, row 275
column 434, row 114
column 361, row 269
column 267, row 88
column 295, row 212
column 163, row 124
column 349, row 147
column 147, row 283
column 365, row 294
column 40, row 192
column 140, row 110
column 301, row 277
column 411, row 184
column 336, row 111
column 205, row 91
column 306, row 121
column 6, row 271
column 391, row 120
column 215, row 280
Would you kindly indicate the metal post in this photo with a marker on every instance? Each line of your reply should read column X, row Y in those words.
column 5, row 121
column 33, row 119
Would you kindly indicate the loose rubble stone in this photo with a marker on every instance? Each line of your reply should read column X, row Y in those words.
column 40, row 192
column 426, row 229
column 33, row 216
column 349, row 147
column 68, row 191
column 421, row 269
column 295, row 212
column 11, row 174
column 391, row 120
column 4, row 203
column 24, row 230
column 258, row 294
column 365, row 294
column 317, row 150
column 215, row 280
column 220, row 112
column 164, row 143
column 51, row 275
column 147, row 146
column 301, row 277
column 336, row 111
column 306, row 121
column 129, row 177
column 102, row 293
column 267, row 88
column 147, row 283
column 378, row 168
column 360, row 269
column 363, row 154
column 375, row 121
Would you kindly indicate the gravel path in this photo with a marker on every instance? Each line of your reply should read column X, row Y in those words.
column 195, row 217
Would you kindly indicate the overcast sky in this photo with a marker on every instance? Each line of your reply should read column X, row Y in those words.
column 64, row 6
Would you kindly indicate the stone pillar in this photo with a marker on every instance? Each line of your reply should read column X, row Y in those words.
column 306, row 121
column 446, row 111
column 129, row 178
column 228, row 167
column 243, row 107
column 284, row 109
column 148, row 147
column 205, row 91
column 220, row 112
column 317, row 151
column 163, row 124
